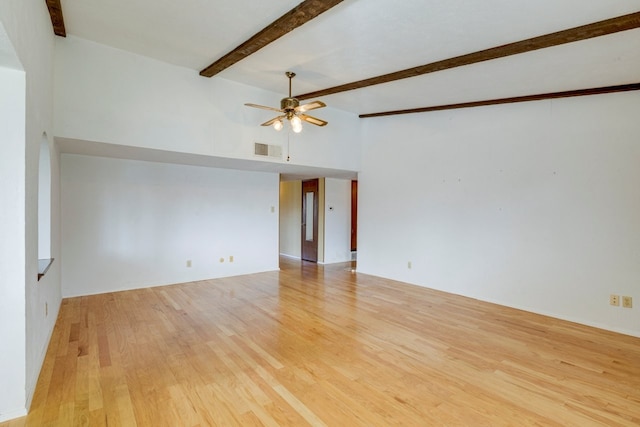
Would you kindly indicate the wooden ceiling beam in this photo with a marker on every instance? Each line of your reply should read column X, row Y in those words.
column 299, row 15
column 515, row 99
column 55, row 11
column 584, row 32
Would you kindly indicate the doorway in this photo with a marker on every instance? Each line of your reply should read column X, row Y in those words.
column 309, row 234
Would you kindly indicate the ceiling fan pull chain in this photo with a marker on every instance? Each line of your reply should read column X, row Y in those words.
column 288, row 135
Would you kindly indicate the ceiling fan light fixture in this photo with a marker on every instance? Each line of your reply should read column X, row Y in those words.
column 277, row 125
column 296, row 124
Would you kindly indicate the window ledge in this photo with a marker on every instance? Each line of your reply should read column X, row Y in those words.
column 43, row 266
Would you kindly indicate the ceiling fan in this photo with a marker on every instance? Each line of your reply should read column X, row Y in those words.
column 292, row 111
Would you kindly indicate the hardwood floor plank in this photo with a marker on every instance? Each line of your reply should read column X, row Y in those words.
column 314, row 345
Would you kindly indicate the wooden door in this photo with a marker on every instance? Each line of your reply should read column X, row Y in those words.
column 310, row 220
column 354, row 216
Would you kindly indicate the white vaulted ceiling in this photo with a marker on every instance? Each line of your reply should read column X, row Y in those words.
column 359, row 39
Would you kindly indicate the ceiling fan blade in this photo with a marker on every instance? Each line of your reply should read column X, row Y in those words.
column 310, row 106
column 263, row 107
column 272, row 121
column 312, row 120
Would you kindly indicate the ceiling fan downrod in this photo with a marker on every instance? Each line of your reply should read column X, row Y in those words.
column 290, row 75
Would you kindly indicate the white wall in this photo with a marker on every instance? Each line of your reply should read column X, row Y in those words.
column 321, row 230
column 531, row 205
column 12, row 244
column 337, row 220
column 290, row 218
column 111, row 96
column 26, row 327
column 129, row 224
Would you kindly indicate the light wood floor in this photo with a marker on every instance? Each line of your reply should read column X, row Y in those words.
column 324, row 346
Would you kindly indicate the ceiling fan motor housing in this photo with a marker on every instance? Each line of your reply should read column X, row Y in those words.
column 288, row 105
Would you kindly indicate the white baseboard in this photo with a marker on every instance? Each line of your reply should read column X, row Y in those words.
column 6, row 416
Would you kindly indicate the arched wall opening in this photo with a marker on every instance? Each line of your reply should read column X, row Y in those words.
column 44, row 199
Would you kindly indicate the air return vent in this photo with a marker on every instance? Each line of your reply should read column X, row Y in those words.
column 267, row 150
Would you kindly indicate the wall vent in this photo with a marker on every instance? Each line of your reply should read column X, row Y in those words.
column 267, row 150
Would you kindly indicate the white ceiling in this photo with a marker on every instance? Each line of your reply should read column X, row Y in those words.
column 359, row 39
